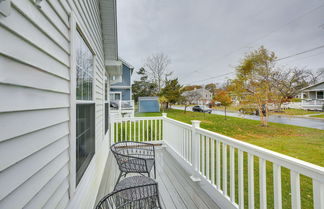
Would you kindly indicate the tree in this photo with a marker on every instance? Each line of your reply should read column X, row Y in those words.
column 190, row 88
column 163, row 101
column 211, row 87
column 157, row 65
column 288, row 83
column 188, row 97
column 253, row 78
column 315, row 77
column 224, row 98
column 171, row 91
column 143, row 87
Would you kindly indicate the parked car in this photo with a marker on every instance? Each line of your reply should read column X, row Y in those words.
column 252, row 110
column 201, row 108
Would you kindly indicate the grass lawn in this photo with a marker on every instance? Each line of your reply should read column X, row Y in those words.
column 318, row 116
column 299, row 142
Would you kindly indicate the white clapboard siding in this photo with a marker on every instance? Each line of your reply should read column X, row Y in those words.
column 30, row 188
column 36, row 16
column 52, row 16
column 35, row 76
column 17, row 174
column 30, row 76
column 43, row 196
column 19, row 49
column 22, row 98
column 18, row 123
column 16, row 149
column 58, row 8
column 18, row 23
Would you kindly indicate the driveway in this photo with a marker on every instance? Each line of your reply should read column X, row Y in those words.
column 305, row 122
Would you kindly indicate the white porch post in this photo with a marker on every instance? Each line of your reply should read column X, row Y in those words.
column 164, row 115
column 195, row 150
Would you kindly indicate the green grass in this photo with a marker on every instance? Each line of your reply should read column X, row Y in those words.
column 318, row 116
column 299, row 142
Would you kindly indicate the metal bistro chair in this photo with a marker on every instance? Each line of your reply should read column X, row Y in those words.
column 136, row 192
column 134, row 157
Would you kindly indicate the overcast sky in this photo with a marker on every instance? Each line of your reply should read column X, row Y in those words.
column 207, row 38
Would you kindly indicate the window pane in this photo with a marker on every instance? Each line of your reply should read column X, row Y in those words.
column 85, row 138
column 320, row 95
column 84, row 74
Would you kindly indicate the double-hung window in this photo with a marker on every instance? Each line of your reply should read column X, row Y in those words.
column 85, row 107
column 106, row 105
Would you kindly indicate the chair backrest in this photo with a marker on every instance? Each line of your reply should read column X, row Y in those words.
column 140, row 197
column 138, row 152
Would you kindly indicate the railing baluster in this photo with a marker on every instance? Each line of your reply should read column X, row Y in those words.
column 126, row 130
column 129, row 134
column 295, row 189
column 135, row 136
column 212, row 161
column 251, row 180
column 263, row 184
column 117, row 131
column 240, row 179
column 224, row 169
column 218, row 165
column 203, row 154
column 232, row 173
column 207, row 158
column 318, row 194
column 277, row 186
column 143, row 130
column 121, row 130
column 161, row 122
column 155, row 130
column 151, row 126
column 147, row 130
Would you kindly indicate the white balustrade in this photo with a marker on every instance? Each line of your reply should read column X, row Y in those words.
column 223, row 162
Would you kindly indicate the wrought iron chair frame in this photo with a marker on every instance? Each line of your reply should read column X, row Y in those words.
column 142, row 161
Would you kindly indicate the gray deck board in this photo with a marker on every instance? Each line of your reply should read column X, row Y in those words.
column 176, row 189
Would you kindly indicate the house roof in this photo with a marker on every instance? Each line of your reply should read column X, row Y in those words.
column 314, row 85
column 126, row 63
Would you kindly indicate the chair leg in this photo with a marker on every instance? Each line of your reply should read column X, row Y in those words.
column 120, row 175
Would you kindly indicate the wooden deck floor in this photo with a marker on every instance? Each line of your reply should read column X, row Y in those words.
column 175, row 187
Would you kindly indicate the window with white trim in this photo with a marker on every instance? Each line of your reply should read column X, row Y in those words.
column 85, row 107
column 106, row 105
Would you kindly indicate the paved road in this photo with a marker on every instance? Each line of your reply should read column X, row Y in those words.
column 305, row 122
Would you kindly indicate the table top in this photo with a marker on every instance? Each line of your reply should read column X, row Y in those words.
column 134, row 181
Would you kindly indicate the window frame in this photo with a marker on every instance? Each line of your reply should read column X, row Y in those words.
column 75, row 28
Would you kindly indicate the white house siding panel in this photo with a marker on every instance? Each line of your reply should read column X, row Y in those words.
column 319, row 87
column 34, row 110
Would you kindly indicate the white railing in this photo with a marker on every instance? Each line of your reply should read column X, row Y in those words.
column 312, row 102
column 237, row 174
column 136, row 129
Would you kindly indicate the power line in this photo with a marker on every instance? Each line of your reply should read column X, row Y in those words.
column 299, row 53
column 283, row 58
column 217, row 76
column 268, row 34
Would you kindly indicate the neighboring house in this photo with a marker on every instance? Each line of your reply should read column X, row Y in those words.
column 204, row 98
column 148, row 104
column 122, row 104
column 56, row 58
column 313, row 97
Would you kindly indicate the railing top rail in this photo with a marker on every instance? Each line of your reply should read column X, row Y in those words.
column 185, row 125
column 300, row 166
column 136, row 118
